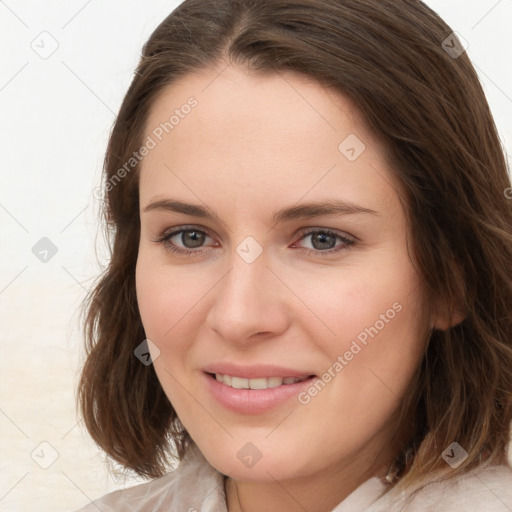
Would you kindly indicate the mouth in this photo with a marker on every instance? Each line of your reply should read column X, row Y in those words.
column 256, row 388
column 256, row 383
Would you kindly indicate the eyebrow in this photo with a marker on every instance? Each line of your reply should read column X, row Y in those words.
column 301, row 211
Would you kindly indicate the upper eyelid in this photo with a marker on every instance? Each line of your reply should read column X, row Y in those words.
column 174, row 231
column 306, row 231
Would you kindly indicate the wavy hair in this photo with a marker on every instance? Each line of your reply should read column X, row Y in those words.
column 392, row 60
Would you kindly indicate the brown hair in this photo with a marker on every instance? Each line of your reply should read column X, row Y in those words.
column 427, row 106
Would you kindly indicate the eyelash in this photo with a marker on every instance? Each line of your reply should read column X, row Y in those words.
column 164, row 239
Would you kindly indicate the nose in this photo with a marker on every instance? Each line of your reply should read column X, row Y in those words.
column 248, row 302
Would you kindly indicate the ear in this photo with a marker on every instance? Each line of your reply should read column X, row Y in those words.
column 444, row 316
column 445, row 322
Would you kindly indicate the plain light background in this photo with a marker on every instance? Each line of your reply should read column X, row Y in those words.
column 57, row 111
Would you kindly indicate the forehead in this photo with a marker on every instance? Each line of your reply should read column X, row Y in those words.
column 252, row 106
column 256, row 136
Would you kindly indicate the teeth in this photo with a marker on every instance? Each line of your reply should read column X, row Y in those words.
column 273, row 382
column 260, row 383
column 239, row 383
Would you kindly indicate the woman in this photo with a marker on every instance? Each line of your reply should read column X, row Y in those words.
column 308, row 302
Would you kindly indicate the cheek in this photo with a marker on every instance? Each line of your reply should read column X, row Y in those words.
column 370, row 363
column 152, row 298
column 164, row 303
column 165, row 297
column 381, row 346
column 384, row 315
column 380, row 324
column 379, row 302
column 171, row 301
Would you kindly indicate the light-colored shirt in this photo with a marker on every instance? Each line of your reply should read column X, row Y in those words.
column 196, row 486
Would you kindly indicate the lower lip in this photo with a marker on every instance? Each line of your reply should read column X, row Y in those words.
column 253, row 401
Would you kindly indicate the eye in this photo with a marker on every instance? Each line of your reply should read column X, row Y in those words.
column 324, row 242
column 191, row 238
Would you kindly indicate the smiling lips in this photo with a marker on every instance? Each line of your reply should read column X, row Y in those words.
column 253, row 389
column 258, row 383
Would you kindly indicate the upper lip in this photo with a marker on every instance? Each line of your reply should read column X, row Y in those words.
column 258, row 371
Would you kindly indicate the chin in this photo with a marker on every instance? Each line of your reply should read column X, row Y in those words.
column 258, row 461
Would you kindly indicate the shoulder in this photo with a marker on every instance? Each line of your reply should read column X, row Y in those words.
column 193, row 486
column 487, row 489
column 135, row 498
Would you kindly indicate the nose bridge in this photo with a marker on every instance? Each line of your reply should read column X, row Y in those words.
column 246, row 301
column 244, row 287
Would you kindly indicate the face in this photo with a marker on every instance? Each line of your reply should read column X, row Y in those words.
column 320, row 311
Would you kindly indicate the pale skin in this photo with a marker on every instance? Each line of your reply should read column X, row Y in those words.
column 254, row 145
